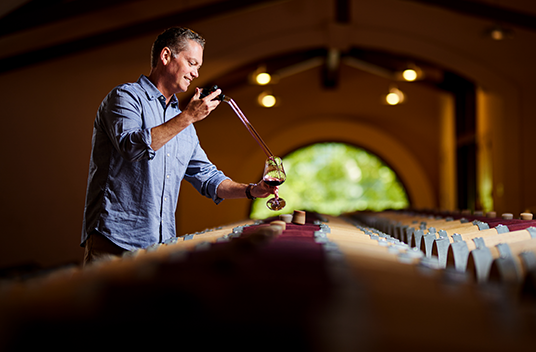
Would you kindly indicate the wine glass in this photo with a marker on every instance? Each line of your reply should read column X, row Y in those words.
column 274, row 175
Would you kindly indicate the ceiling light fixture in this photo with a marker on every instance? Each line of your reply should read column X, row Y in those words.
column 412, row 73
column 395, row 96
column 267, row 100
column 409, row 74
column 263, row 78
column 498, row 32
column 260, row 76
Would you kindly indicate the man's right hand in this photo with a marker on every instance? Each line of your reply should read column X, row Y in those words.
column 198, row 108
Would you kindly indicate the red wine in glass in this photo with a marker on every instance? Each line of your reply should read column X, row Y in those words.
column 274, row 175
column 273, row 182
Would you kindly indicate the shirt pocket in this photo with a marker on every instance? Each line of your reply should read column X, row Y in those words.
column 183, row 151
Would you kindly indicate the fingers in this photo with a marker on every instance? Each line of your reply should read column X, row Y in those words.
column 213, row 95
column 197, row 93
column 210, row 100
column 199, row 108
column 209, row 97
column 267, row 187
column 264, row 189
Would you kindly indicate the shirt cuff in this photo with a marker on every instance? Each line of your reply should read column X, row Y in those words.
column 213, row 188
column 147, row 139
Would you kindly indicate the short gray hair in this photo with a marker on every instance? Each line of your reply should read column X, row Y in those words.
column 176, row 39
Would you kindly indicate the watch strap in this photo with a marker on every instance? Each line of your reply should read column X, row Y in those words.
column 248, row 191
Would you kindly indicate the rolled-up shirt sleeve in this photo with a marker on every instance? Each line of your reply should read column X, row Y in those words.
column 125, row 126
column 204, row 175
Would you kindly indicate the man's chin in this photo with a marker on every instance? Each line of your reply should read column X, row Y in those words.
column 183, row 88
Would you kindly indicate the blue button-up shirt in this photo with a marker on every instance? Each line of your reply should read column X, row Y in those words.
column 132, row 190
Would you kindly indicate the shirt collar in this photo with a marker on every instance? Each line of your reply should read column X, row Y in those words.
column 153, row 92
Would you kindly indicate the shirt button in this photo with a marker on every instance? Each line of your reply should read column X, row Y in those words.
column 165, row 198
column 167, row 176
column 168, row 154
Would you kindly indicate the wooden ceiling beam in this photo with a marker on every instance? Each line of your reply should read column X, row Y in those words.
column 128, row 32
column 487, row 11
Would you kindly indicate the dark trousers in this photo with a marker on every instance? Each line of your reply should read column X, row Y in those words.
column 98, row 247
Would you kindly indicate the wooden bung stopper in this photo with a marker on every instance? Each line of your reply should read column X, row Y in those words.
column 298, row 217
column 279, row 223
column 507, row 216
column 286, row 218
column 526, row 216
column 491, row 214
column 268, row 230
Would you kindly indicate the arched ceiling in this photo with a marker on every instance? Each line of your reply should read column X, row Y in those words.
column 33, row 31
column 384, row 64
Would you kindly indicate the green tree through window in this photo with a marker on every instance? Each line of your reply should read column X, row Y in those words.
column 335, row 178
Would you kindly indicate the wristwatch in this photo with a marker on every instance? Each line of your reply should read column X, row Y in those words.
column 248, row 191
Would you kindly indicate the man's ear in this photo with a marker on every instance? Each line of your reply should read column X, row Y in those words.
column 166, row 56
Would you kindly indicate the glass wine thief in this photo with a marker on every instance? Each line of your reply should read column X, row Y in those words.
column 274, row 173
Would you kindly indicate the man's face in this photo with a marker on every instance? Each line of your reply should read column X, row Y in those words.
column 185, row 67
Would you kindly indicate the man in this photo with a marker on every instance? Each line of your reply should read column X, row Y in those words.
column 143, row 145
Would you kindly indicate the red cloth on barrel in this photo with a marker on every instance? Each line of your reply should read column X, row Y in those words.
column 306, row 227
column 513, row 224
column 296, row 235
column 516, row 225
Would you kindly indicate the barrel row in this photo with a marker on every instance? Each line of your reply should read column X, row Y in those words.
column 331, row 281
column 486, row 248
column 414, row 301
column 224, row 287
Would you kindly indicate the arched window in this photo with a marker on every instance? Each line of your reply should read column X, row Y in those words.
column 335, row 178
